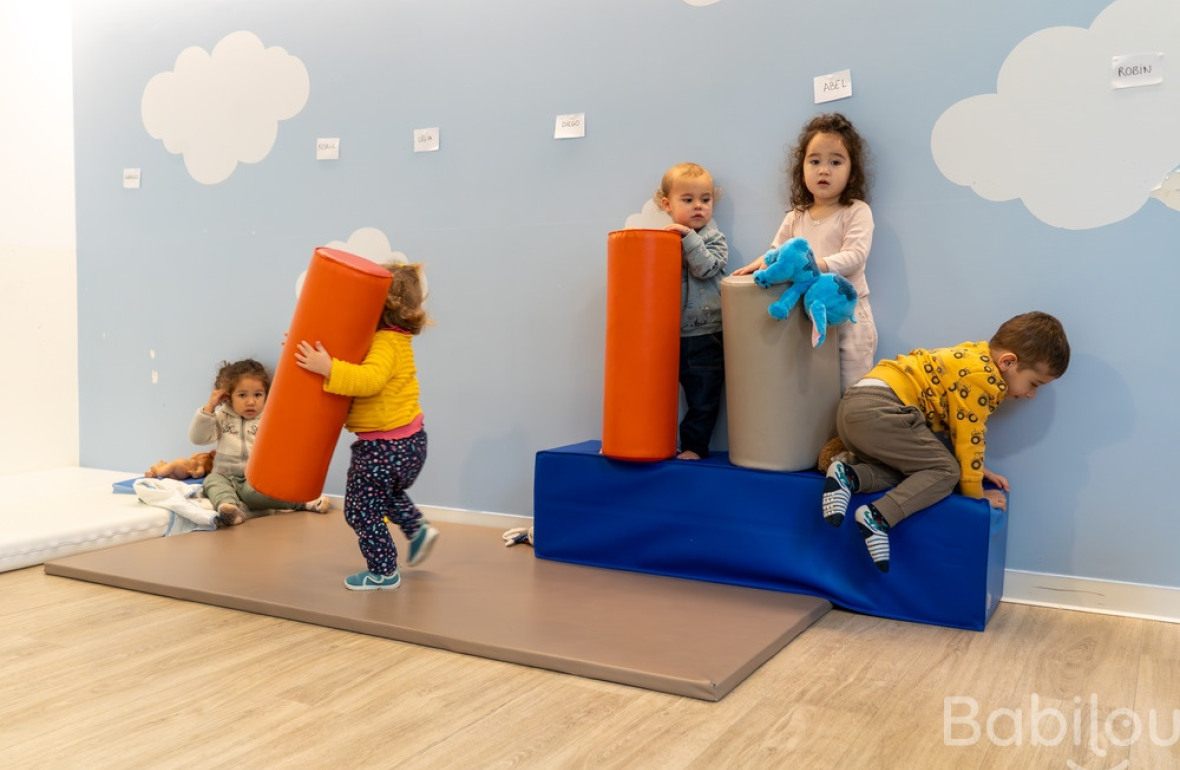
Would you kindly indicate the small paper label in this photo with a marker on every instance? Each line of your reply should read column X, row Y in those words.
column 571, row 126
column 130, row 179
column 829, row 88
column 1134, row 70
column 426, row 139
column 327, row 148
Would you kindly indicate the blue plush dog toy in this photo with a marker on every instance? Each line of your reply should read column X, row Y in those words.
column 828, row 299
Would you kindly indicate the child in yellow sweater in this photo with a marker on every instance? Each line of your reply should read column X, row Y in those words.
column 889, row 419
column 391, row 442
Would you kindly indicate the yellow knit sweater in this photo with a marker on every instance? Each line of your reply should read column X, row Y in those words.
column 957, row 389
column 384, row 386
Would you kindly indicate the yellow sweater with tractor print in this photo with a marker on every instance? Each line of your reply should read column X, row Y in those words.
column 957, row 389
column 384, row 386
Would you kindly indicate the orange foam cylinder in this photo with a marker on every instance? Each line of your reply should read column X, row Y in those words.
column 341, row 302
column 641, row 394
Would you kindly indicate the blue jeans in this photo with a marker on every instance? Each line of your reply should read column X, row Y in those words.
column 702, row 375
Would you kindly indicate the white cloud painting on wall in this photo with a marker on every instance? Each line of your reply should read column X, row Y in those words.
column 1076, row 151
column 1169, row 190
column 370, row 243
column 650, row 217
column 222, row 108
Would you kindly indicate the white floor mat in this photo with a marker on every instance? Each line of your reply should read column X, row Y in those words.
column 51, row 513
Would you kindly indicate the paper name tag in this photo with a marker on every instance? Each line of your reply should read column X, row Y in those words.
column 837, row 85
column 426, row 139
column 130, row 179
column 1139, row 69
column 327, row 148
column 571, row 126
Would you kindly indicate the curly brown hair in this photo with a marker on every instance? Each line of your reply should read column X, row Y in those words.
column 858, row 151
column 403, row 304
column 228, row 374
column 1037, row 339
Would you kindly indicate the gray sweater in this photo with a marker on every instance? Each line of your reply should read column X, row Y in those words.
column 705, row 256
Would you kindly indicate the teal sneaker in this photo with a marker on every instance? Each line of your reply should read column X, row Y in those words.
column 421, row 543
column 370, row 581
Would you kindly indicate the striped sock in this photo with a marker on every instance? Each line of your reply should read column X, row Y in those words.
column 839, row 485
column 875, row 531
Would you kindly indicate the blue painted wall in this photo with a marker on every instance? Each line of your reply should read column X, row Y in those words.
column 512, row 223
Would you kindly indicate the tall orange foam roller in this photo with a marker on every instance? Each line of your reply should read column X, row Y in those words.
column 341, row 302
column 641, row 395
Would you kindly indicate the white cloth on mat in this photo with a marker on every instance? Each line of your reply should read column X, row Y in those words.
column 173, row 495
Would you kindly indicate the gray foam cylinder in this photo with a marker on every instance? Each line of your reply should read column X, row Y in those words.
column 781, row 394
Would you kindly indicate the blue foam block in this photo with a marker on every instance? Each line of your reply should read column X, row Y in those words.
column 127, row 486
column 710, row 520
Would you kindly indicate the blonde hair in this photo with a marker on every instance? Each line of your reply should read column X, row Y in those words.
column 403, row 303
column 677, row 172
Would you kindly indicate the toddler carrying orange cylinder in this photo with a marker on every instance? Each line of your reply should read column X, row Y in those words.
column 341, row 302
column 641, row 393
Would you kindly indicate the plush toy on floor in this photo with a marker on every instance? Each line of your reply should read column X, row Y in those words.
column 828, row 299
column 832, row 451
column 195, row 467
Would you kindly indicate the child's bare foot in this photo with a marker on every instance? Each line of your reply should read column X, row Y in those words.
column 688, row 454
column 319, row 505
column 230, row 514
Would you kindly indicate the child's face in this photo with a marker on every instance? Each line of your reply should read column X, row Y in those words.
column 248, row 397
column 690, row 201
column 826, row 168
column 1023, row 382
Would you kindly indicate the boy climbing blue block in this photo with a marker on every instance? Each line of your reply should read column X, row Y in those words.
column 889, row 419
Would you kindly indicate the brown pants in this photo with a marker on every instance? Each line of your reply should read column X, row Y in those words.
column 894, row 448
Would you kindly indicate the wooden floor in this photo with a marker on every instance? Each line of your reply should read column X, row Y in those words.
column 92, row 676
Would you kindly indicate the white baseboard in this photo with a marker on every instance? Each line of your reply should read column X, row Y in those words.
column 499, row 521
column 476, row 518
column 1106, row 597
